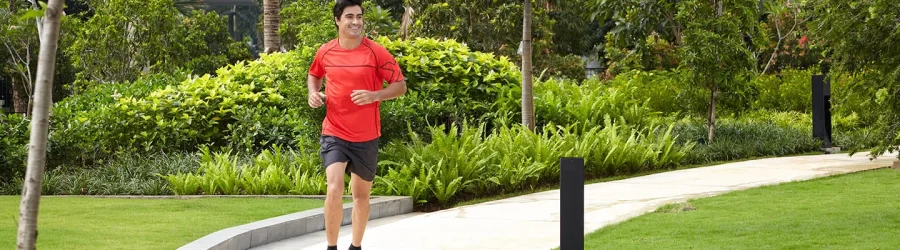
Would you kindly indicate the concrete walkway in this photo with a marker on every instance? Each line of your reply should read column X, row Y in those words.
column 532, row 221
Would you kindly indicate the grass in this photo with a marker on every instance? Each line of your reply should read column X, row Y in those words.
column 854, row 211
column 120, row 223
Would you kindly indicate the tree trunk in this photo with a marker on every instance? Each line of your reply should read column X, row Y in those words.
column 711, row 114
column 405, row 22
column 713, row 94
column 37, row 150
column 271, row 20
column 527, row 95
column 12, row 6
column 19, row 98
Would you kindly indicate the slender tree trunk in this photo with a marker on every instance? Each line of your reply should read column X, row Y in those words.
column 37, row 150
column 711, row 115
column 19, row 98
column 271, row 20
column 405, row 22
column 12, row 6
column 713, row 93
column 527, row 95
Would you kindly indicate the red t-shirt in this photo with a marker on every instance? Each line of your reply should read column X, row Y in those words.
column 366, row 67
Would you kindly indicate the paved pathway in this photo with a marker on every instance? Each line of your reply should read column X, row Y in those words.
column 532, row 221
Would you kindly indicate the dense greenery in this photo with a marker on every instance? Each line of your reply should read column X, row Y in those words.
column 558, row 39
column 124, row 38
column 189, row 113
column 867, row 46
column 309, row 24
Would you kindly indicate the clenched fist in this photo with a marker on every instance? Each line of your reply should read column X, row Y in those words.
column 363, row 97
column 316, row 99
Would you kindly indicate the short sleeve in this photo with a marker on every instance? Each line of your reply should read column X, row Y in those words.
column 317, row 69
column 388, row 70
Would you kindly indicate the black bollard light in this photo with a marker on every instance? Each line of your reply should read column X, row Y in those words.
column 571, row 212
column 821, row 110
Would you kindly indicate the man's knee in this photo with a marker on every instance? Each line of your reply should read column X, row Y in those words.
column 361, row 197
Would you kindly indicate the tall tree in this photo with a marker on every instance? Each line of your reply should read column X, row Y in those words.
column 271, row 20
column 34, row 176
column 640, row 32
column 527, row 90
column 861, row 37
column 20, row 42
column 714, row 48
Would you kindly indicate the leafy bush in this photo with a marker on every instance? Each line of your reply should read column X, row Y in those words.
column 71, row 141
column 668, row 92
column 253, row 105
column 447, row 84
column 744, row 138
column 126, row 175
column 568, row 67
column 14, row 132
column 199, row 110
column 466, row 161
column 469, row 161
column 790, row 90
column 564, row 102
column 124, row 38
column 271, row 172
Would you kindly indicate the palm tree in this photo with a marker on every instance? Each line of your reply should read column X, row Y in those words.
column 527, row 94
column 37, row 153
column 271, row 20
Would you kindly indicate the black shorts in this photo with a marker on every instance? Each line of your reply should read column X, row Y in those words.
column 361, row 157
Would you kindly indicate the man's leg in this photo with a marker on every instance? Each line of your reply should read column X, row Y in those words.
column 360, row 189
column 334, row 213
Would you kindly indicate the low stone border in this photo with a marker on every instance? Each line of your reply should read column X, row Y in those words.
column 292, row 225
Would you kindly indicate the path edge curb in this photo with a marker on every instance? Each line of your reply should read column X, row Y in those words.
column 274, row 229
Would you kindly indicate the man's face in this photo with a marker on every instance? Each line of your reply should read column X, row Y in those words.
column 350, row 23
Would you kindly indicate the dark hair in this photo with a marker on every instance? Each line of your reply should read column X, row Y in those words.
column 340, row 5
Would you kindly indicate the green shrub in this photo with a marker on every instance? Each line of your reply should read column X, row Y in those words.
column 14, row 134
column 74, row 136
column 668, row 92
column 564, row 102
column 744, row 138
column 197, row 111
column 790, row 90
column 447, row 84
column 272, row 172
column 253, row 105
column 464, row 162
column 125, row 175
column 568, row 67
column 849, row 100
column 469, row 161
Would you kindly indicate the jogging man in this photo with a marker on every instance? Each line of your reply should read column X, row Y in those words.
column 356, row 69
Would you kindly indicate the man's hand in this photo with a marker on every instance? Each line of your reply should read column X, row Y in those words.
column 364, row 97
column 315, row 99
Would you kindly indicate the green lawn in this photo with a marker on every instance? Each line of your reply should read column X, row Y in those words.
column 112, row 223
column 855, row 211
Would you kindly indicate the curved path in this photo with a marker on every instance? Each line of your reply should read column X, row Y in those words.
column 532, row 221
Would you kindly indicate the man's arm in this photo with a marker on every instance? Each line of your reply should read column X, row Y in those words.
column 314, row 84
column 364, row 97
column 392, row 91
